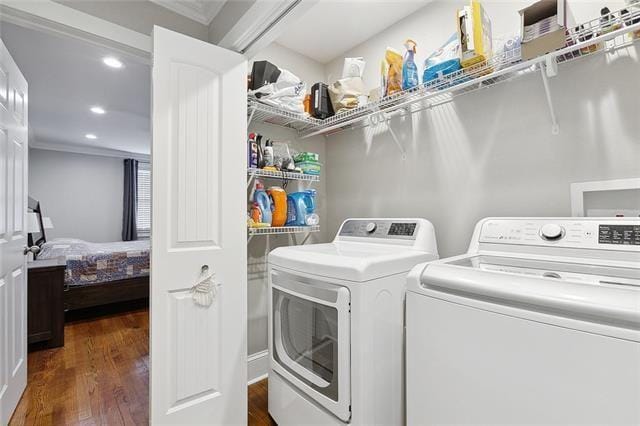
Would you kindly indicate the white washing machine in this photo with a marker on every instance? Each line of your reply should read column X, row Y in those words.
column 336, row 317
column 539, row 323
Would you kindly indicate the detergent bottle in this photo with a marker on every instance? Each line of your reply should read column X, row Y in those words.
column 261, row 198
column 300, row 206
column 279, row 205
column 311, row 218
column 409, row 67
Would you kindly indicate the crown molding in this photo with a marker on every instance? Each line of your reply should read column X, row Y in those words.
column 89, row 150
column 202, row 11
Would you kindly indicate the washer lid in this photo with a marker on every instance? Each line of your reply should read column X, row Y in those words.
column 576, row 289
column 349, row 260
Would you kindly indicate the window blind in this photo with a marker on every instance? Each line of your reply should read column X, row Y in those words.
column 143, row 219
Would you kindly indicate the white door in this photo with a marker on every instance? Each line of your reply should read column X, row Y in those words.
column 13, row 207
column 198, row 353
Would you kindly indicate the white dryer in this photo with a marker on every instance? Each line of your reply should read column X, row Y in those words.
column 539, row 323
column 336, row 319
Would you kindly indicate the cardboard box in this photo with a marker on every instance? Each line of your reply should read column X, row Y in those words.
column 474, row 34
column 543, row 28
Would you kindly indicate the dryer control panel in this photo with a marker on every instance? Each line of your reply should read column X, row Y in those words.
column 380, row 228
column 590, row 233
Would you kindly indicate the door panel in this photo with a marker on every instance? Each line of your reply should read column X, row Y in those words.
column 198, row 353
column 13, row 206
column 197, row 218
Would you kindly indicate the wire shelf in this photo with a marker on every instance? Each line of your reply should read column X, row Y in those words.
column 605, row 34
column 283, row 230
column 263, row 113
column 253, row 172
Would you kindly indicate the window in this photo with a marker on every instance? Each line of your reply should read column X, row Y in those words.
column 143, row 218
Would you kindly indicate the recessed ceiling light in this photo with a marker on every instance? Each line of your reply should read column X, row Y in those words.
column 97, row 110
column 90, row 136
column 112, row 62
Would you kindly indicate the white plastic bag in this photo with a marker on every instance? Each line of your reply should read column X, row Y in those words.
column 286, row 93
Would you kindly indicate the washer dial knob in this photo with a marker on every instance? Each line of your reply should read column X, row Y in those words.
column 371, row 226
column 551, row 231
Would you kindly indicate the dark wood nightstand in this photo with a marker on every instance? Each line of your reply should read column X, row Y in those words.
column 45, row 305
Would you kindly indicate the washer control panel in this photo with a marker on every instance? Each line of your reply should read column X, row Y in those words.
column 613, row 234
column 378, row 228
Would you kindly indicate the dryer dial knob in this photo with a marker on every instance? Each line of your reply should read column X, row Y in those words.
column 551, row 231
column 371, row 226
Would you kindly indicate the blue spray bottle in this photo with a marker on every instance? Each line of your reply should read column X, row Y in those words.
column 409, row 67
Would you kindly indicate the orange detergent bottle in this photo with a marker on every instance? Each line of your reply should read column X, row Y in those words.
column 279, row 205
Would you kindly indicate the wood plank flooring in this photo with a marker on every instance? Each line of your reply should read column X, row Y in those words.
column 258, row 411
column 101, row 377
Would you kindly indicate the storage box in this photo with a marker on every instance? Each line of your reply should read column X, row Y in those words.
column 474, row 34
column 543, row 28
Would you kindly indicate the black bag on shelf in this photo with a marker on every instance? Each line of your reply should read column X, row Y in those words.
column 320, row 102
column 263, row 73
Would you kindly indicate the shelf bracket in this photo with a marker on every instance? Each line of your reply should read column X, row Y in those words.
column 306, row 237
column 551, row 66
column 555, row 127
column 253, row 111
column 249, row 237
column 380, row 117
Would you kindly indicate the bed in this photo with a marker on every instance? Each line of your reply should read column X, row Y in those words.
column 98, row 273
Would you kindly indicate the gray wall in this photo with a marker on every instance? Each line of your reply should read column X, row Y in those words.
column 81, row 193
column 260, row 245
column 488, row 153
column 311, row 72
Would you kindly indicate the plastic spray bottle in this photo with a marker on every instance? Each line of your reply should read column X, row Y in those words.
column 409, row 67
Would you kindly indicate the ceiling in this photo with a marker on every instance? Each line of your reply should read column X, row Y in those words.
column 66, row 77
column 202, row 11
column 333, row 27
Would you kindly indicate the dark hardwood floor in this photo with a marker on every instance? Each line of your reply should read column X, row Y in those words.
column 258, row 412
column 101, row 376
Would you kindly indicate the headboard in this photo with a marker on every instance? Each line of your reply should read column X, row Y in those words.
column 33, row 205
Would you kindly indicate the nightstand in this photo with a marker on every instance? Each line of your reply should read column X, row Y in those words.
column 45, row 323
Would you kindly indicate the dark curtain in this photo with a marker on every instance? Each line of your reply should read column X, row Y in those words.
column 130, row 210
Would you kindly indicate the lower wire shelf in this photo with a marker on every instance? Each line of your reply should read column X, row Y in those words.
column 282, row 230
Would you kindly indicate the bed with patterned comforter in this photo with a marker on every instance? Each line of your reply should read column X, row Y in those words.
column 92, row 263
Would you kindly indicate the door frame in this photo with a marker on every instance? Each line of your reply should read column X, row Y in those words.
column 56, row 18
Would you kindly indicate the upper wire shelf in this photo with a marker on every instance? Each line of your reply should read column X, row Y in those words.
column 604, row 34
column 260, row 112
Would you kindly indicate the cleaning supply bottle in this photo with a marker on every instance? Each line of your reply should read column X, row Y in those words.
column 300, row 206
column 279, row 205
column 268, row 153
column 311, row 218
column 252, row 151
column 409, row 67
column 261, row 197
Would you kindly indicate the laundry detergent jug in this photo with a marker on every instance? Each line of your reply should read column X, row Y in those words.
column 278, row 205
column 263, row 200
column 301, row 208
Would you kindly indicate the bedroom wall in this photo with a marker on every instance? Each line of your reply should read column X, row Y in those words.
column 81, row 193
column 488, row 153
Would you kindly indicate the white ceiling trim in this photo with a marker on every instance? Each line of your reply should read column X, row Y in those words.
column 56, row 18
column 89, row 150
column 202, row 11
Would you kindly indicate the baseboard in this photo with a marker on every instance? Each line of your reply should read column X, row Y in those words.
column 257, row 366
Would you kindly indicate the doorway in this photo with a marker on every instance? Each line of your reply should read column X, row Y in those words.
column 89, row 215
